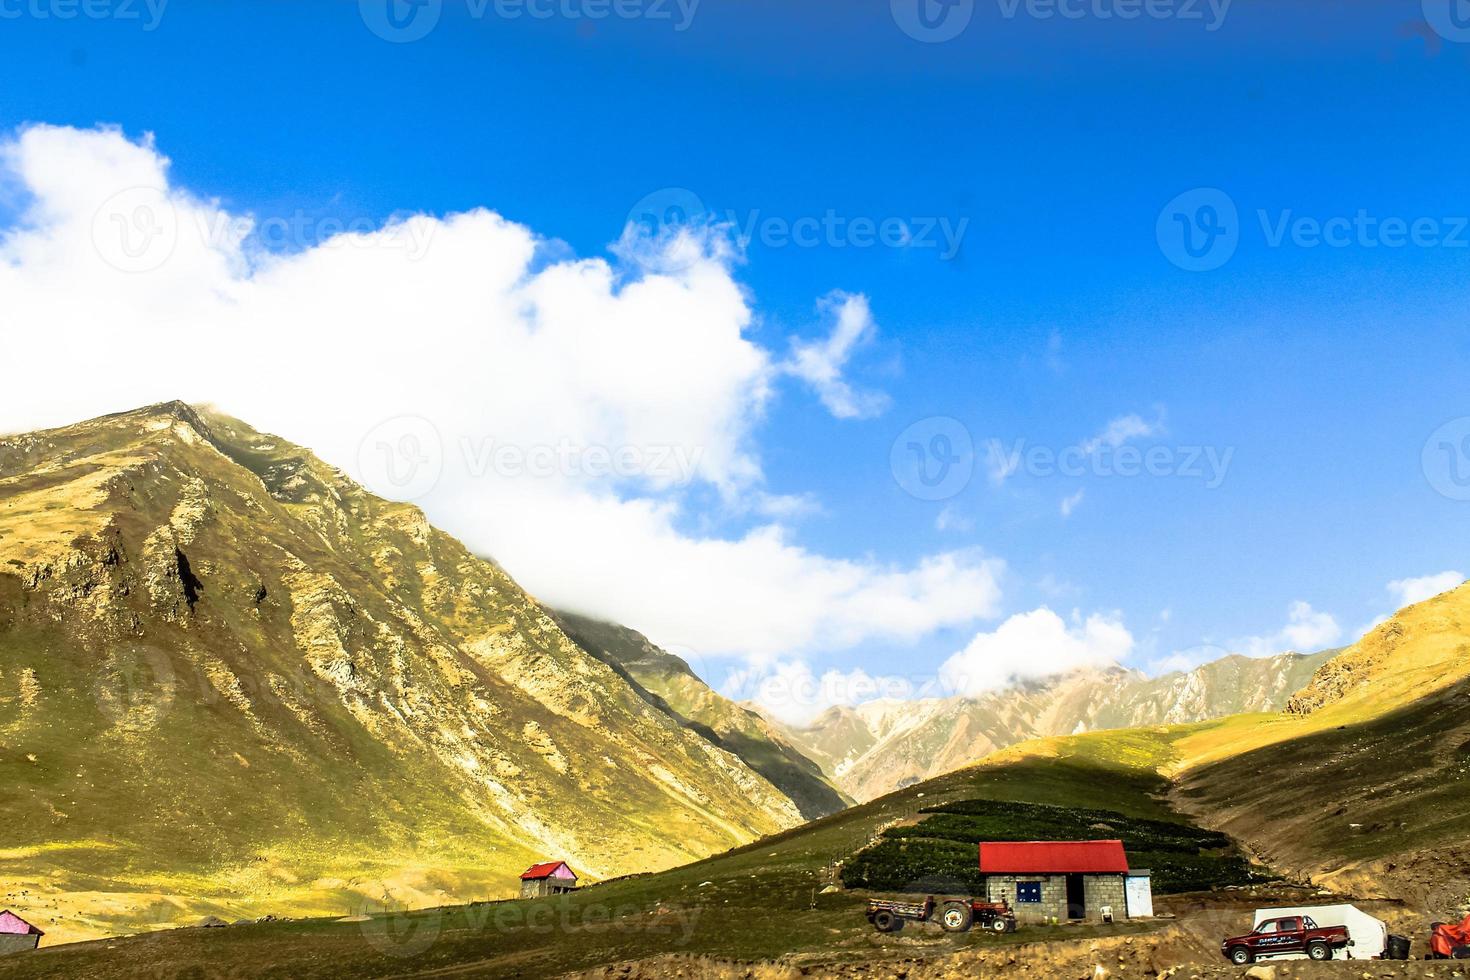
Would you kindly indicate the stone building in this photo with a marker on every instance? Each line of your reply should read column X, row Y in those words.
column 16, row 934
column 552, row 878
column 1045, row 880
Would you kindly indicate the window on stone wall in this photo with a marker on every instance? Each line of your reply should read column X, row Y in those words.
column 1028, row 892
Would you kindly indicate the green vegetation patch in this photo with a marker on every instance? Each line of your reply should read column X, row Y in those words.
column 938, row 853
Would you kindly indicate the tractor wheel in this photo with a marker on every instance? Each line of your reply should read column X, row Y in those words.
column 1320, row 952
column 956, row 916
column 886, row 922
column 1241, row 956
column 1001, row 926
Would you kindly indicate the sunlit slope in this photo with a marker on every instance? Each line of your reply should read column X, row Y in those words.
column 1364, row 782
column 759, row 902
column 669, row 684
column 233, row 681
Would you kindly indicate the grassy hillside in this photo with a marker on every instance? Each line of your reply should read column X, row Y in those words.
column 758, row 902
column 233, row 682
column 668, row 684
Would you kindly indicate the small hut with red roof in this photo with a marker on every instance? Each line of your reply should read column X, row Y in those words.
column 16, row 934
column 551, row 878
column 1045, row 880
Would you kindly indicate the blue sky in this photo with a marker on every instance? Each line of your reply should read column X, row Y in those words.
column 1053, row 143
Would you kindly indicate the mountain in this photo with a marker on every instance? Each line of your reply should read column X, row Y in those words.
column 668, row 683
column 1365, row 784
column 232, row 681
column 1365, row 792
column 883, row 745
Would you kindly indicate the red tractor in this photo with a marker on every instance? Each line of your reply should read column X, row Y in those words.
column 953, row 914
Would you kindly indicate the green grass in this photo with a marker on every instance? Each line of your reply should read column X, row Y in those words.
column 939, row 853
column 759, row 902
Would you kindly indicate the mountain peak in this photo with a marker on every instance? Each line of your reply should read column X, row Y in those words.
column 271, row 644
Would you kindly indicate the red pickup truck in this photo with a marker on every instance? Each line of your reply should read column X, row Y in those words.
column 1284, row 936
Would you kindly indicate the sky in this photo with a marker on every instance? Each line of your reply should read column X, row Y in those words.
column 846, row 349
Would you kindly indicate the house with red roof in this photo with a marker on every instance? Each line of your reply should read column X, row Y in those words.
column 1061, row 880
column 16, row 934
column 551, row 878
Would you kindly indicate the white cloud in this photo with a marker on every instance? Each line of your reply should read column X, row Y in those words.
column 820, row 363
column 1408, row 591
column 1035, row 645
column 1306, row 631
column 493, row 340
column 1121, row 430
column 1069, row 504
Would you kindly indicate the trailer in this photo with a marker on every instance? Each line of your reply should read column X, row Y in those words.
column 952, row 914
column 1369, row 935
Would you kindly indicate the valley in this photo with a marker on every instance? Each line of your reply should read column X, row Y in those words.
column 234, row 684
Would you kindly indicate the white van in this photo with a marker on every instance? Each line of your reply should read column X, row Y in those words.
column 1369, row 935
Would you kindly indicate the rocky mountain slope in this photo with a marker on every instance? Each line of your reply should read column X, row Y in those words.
column 233, row 681
column 670, row 685
column 884, row 745
column 1365, row 784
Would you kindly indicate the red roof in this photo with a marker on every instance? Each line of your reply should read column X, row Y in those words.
column 10, row 925
column 1054, row 857
column 536, row 872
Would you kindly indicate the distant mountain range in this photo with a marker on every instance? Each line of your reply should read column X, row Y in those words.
column 232, row 681
column 878, row 747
